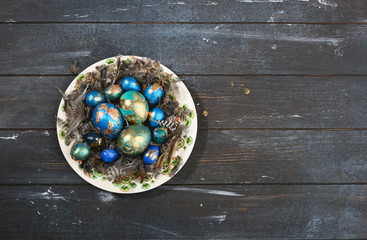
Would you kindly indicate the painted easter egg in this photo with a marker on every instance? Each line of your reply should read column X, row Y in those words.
column 107, row 119
column 93, row 98
column 130, row 84
column 160, row 134
column 93, row 139
column 109, row 155
column 151, row 155
column 113, row 92
column 156, row 114
column 80, row 151
column 134, row 107
column 133, row 140
column 153, row 93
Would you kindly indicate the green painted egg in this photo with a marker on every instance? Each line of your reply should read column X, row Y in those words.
column 113, row 92
column 160, row 134
column 80, row 151
column 133, row 140
column 134, row 107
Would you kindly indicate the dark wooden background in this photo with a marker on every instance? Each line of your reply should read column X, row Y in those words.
column 282, row 152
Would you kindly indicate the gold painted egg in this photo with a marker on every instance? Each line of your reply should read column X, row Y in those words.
column 134, row 107
column 133, row 140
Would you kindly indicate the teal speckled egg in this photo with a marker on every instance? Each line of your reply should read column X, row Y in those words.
column 133, row 140
column 113, row 92
column 160, row 134
column 80, row 151
column 93, row 139
column 134, row 107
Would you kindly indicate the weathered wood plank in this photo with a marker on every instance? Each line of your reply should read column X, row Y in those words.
column 184, row 11
column 188, row 48
column 280, row 102
column 30, row 102
column 195, row 212
column 228, row 157
column 273, row 102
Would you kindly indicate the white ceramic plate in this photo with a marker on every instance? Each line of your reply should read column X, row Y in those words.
column 132, row 186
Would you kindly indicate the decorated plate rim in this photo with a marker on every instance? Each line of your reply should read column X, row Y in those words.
column 161, row 179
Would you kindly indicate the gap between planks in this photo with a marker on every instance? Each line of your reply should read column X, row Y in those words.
column 198, row 184
column 217, row 129
column 203, row 23
column 202, row 75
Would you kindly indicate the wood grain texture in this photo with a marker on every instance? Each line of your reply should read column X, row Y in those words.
column 310, row 11
column 219, row 157
column 176, row 212
column 188, row 48
column 281, row 153
column 272, row 102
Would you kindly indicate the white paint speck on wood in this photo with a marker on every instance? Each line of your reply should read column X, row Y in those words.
column 156, row 228
column 260, row 1
column 48, row 195
column 106, row 197
column 295, row 116
column 206, row 191
column 327, row 3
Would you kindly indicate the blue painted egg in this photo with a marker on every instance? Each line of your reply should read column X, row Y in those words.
column 80, row 151
column 109, row 155
column 108, row 120
column 153, row 93
column 93, row 98
column 134, row 107
column 151, row 155
column 113, row 92
column 130, row 84
column 156, row 114
column 160, row 134
column 93, row 139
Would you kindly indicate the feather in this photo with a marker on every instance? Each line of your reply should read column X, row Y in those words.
column 122, row 167
column 87, row 127
column 172, row 146
column 78, row 117
column 176, row 167
column 74, row 68
column 142, row 172
column 169, row 106
column 75, row 108
column 63, row 95
column 169, row 123
column 118, row 66
column 80, row 98
column 59, row 121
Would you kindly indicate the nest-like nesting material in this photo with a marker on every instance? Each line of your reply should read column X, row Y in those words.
column 78, row 117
